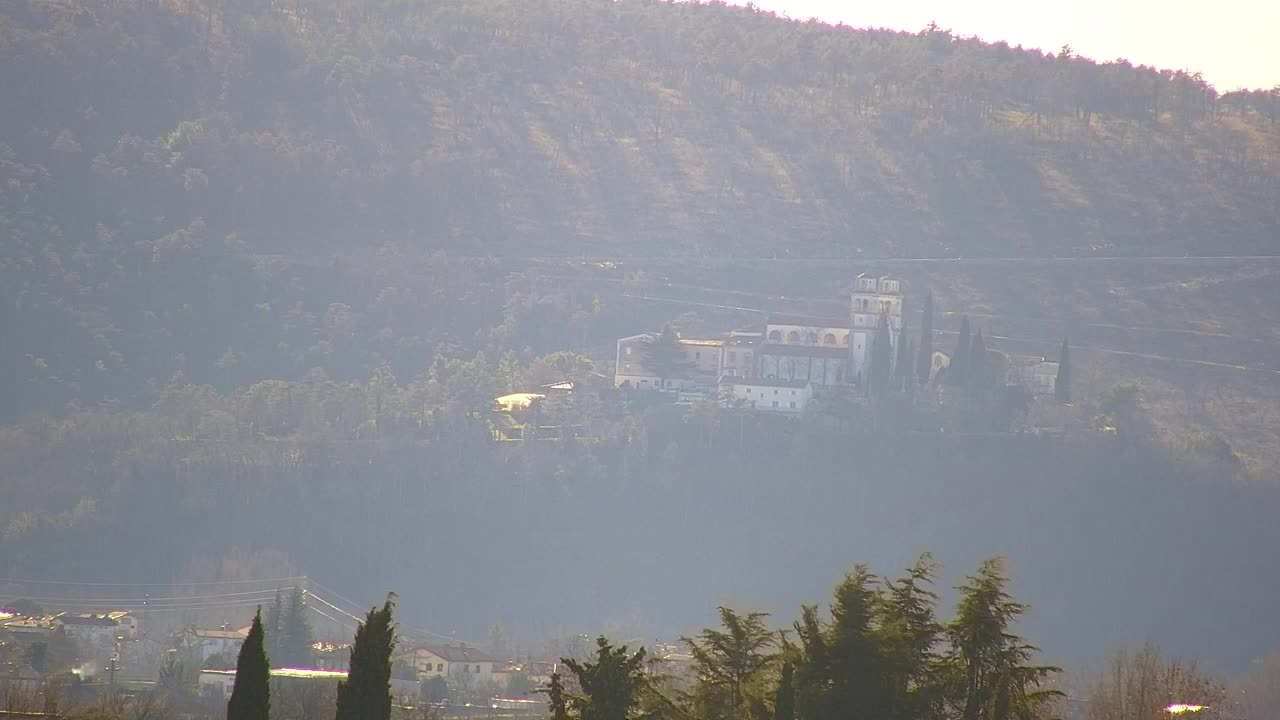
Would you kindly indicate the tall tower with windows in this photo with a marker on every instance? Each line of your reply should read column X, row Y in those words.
column 872, row 298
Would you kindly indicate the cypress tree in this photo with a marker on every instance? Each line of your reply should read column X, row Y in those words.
column 957, row 372
column 879, row 374
column 1062, row 386
column 295, row 633
column 366, row 693
column 273, row 627
column 903, row 373
column 924, row 359
column 251, row 695
column 977, row 367
column 784, row 702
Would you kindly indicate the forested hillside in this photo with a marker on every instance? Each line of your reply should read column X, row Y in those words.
column 265, row 266
column 159, row 157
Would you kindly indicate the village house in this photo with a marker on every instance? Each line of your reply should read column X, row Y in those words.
column 703, row 357
column 771, row 394
column 92, row 630
column 1037, row 375
column 822, row 352
column 224, row 642
column 458, row 662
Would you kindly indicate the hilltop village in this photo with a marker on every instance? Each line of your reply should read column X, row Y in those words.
column 796, row 365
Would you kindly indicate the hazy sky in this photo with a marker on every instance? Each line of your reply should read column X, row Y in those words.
column 1235, row 43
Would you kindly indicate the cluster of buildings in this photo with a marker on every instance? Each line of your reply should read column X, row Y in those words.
column 89, row 630
column 783, row 364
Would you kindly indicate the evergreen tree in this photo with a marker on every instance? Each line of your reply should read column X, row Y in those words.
column 611, row 684
column 728, row 664
column 924, row 359
column 251, row 695
column 994, row 680
column 1062, row 386
column 366, row 693
column 274, row 626
column 556, row 698
column 295, row 633
column 957, row 371
column 910, row 635
column 664, row 356
column 977, row 368
column 903, row 373
column 880, row 366
column 840, row 673
column 784, row 701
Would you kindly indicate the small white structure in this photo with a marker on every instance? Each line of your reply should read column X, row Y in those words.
column 224, row 642
column 1036, row 374
column 783, row 396
column 459, row 662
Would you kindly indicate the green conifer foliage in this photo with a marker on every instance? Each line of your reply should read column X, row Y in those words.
column 611, row 684
column 924, row 359
column 251, row 695
column 1062, row 386
column 366, row 693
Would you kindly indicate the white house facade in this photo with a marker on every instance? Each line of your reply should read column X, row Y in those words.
column 457, row 662
column 789, row 397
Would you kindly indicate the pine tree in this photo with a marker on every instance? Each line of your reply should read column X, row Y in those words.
column 664, row 356
column 251, row 695
column 366, row 693
column 924, row 359
column 556, row 698
column 995, row 681
column 728, row 663
column 910, row 635
column 274, row 626
column 840, row 672
column 957, row 371
column 784, row 701
column 979, row 379
column 295, row 633
column 1062, row 386
column 611, row 683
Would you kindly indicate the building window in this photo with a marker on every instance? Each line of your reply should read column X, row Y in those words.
column 439, row 667
column 793, row 392
column 697, row 355
column 775, row 336
column 844, row 340
column 793, row 337
column 626, row 365
column 793, row 405
column 733, row 357
column 775, row 391
column 628, row 349
column 812, row 339
column 775, row 403
column 477, row 669
column 829, row 339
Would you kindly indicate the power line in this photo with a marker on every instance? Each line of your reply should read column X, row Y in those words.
column 20, row 581
column 157, row 600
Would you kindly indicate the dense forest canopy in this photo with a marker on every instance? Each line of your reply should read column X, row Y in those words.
column 167, row 165
column 266, row 265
